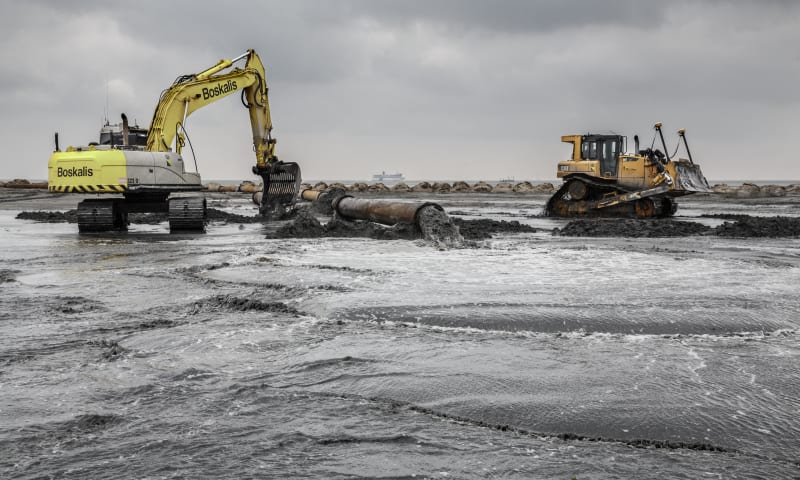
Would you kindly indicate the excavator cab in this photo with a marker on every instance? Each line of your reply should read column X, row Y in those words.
column 114, row 135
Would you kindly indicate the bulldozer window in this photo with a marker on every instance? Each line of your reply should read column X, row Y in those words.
column 609, row 148
column 605, row 148
column 608, row 162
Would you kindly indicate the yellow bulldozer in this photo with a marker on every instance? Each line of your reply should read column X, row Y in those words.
column 602, row 180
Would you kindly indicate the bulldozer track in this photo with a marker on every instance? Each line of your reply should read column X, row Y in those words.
column 652, row 203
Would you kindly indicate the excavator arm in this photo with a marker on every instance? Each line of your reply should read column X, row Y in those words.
column 189, row 93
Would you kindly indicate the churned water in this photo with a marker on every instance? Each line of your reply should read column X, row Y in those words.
column 228, row 355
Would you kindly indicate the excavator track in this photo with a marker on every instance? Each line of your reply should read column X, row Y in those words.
column 597, row 199
column 187, row 214
column 101, row 216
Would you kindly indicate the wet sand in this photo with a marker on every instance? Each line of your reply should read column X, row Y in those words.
column 528, row 354
column 316, row 219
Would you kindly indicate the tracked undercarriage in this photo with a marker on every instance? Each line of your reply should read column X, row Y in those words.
column 185, row 213
column 585, row 197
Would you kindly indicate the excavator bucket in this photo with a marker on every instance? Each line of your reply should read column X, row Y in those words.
column 281, row 187
column 689, row 178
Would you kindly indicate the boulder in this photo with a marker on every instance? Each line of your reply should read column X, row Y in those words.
column 441, row 187
column 461, row 187
column 25, row 184
column 748, row 190
column 723, row 188
column 421, row 187
column 523, row 187
column 400, row 187
column 358, row 187
column 773, row 191
column 378, row 187
column 481, row 187
column 503, row 188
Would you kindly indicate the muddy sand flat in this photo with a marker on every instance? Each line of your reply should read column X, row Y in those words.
column 616, row 351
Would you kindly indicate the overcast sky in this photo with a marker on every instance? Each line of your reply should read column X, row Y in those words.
column 433, row 89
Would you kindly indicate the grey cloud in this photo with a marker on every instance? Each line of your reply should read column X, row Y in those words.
column 527, row 16
column 514, row 16
column 358, row 80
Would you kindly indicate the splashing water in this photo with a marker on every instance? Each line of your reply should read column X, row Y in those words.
column 437, row 227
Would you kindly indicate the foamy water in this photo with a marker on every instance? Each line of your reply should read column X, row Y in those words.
column 530, row 356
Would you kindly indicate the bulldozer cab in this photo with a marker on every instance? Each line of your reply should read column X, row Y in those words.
column 606, row 149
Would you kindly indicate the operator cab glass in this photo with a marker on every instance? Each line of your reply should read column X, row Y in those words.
column 112, row 135
column 605, row 148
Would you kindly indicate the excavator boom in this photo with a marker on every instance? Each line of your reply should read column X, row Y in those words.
column 191, row 92
column 281, row 180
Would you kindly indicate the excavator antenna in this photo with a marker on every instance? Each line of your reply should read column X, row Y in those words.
column 105, row 114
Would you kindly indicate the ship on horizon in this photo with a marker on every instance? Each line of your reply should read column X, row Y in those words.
column 384, row 177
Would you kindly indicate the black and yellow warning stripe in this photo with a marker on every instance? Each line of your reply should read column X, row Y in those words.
column 88, row 188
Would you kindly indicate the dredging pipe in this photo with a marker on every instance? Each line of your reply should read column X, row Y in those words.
column 310, row 195
column 385, row 212
column 381, row 211
column 307, row 194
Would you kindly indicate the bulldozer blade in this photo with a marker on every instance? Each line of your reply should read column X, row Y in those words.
column 281, row 187
column 689, row 178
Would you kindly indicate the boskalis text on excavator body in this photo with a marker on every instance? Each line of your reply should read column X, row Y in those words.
column 145, row 169
column 602, row 180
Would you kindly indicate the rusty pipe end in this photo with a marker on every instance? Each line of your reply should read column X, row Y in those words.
column 337, row 200
column 309, row 194
column 426, row 204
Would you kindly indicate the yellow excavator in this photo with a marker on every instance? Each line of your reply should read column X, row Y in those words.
column 144, row 168
column 602, row 180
